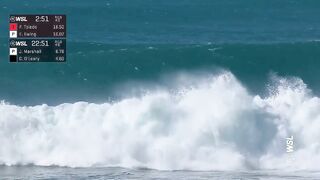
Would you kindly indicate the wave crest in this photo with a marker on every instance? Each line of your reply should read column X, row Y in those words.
column 214, row 124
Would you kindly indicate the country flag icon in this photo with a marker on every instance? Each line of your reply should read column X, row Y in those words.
column 13, row 26
column 13, row 34
column 13, row 51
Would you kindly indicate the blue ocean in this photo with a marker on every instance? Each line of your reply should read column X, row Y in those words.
column 166, row 89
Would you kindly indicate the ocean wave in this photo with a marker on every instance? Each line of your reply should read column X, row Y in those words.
column 212, row 124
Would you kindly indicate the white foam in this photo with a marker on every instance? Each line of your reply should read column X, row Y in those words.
column 214, row 124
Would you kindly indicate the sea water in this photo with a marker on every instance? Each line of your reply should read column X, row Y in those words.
column 166, row 90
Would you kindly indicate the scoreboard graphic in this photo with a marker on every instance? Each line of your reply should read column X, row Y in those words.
column 37, row 38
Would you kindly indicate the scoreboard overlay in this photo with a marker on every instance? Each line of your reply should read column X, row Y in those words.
column 37, row 38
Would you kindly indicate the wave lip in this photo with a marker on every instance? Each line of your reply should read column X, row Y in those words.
column 214, row 124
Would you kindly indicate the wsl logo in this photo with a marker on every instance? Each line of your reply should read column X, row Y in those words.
column 290, row 150
column 290, row 144
column 18, row 19
column 18, row 43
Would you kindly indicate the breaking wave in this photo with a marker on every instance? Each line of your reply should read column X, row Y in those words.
column 213, row 124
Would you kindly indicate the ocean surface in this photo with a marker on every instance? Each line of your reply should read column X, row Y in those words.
column 166, row 89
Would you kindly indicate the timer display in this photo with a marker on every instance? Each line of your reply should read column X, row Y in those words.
column 42, row 18
column 38, row 43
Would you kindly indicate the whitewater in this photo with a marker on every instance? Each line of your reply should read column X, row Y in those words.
column 213, row 123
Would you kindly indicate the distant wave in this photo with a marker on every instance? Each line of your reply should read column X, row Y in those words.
column 213, row 124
